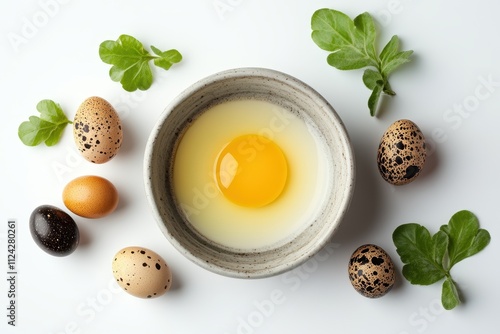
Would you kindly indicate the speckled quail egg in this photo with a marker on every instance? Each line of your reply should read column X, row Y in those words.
column 371, row 271
column 97, row 130
column 401, row 153
column 141, row 272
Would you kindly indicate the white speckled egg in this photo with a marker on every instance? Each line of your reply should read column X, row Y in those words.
column 97, row 130
column 371, row 271
column 141, row 272
column 401, row 153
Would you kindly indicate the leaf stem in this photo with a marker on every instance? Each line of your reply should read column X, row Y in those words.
column 387, row 86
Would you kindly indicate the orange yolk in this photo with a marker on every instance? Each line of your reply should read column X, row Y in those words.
column 251, row 171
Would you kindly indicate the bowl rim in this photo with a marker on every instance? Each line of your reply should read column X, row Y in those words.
column 282, row 78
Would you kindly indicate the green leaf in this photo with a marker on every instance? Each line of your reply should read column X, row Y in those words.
column 352, row 44
column 51, row 112
column 116, row 74
column 348, row 58
column 427, row 259
column 390, row 49
column 34, row 131
column 55, row 135
column 481, row 240
column 334, row 31
column 422, row 254
column 47, row 128
column 449, row 296
column 125, row 52
column 375, row 97
column 371, row 78
column 136, row 77
column 391, row 58
column 366, row 26
column 131, row 62
column 166, row 59
column 466, row 238
column 398, row 60
column 439, row 246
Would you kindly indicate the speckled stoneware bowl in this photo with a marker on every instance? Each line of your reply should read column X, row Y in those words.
column 275, row 87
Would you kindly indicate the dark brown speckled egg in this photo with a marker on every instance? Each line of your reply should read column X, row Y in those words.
column 54, row 230
column 401, row 153
column 371, row 271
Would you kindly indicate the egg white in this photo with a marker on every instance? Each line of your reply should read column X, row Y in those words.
column 231, row 225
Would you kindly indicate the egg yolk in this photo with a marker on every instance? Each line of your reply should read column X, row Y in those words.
column 251, row 171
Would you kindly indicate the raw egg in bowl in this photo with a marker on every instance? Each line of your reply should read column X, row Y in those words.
column 249, row 172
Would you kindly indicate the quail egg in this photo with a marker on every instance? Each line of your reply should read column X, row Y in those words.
column 97, row 130
column 401, row 153
column 141, row 272
column 371, row 271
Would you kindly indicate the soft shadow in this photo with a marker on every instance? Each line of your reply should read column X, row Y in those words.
column 432, row 159
column 176, row 281
column 399, row 278
column 366, row 201
column 461, row 293
column 129, row 138
column 383, row 106
column 122, row 201
column 85, row 239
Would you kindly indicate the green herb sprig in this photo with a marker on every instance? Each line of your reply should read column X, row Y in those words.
column 131, row 61
column 352, row 46
column 429, row 259
column 48, row 128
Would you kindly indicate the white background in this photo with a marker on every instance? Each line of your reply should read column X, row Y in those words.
column 455, row 67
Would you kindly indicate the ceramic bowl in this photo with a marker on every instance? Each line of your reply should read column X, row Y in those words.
column 275, row 87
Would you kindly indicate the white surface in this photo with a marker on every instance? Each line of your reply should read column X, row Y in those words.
column 456, row 53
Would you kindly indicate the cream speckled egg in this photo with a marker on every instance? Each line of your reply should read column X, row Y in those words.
column 371, row 271
column 401, row 153
column 97, row 130
column 141, row 272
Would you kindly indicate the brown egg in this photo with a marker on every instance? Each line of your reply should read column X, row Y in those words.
column 401, row 153
column 371, row 271
column 141, row 272
column 97, row 130
column 90, row 196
